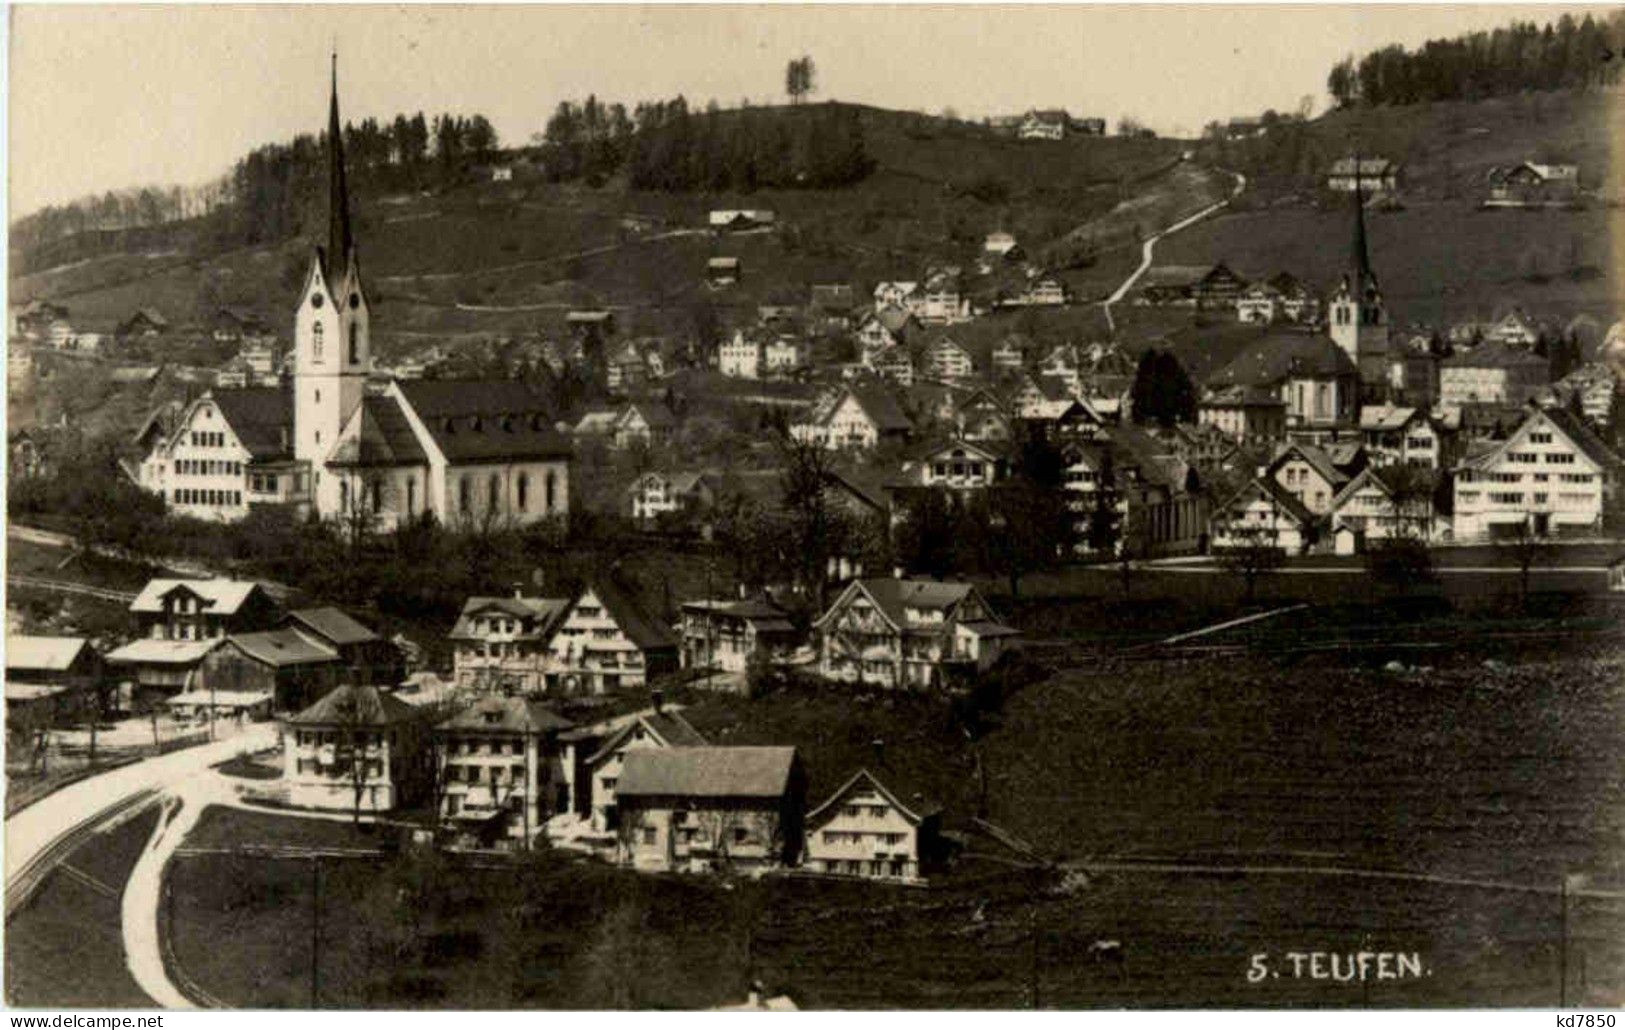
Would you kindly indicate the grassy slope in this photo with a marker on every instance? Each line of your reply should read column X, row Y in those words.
column 886, row 227
column 1440, row 259
column 1437, row 262
column 66, row 947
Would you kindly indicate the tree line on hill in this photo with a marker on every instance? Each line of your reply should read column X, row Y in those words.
column 1567, row 54
column 664, row 145
column 276, row 190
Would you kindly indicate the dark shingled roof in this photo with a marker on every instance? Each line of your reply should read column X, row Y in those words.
column 643, row 631
column 707, row 772
column 669, row 728
column 371, row 708
column 1493, row 355
column 284, row 647
column 484, row 420
column 507, row 715
column 384, row 437
column 333, row 625
column 262, row 419
column 1280, row 355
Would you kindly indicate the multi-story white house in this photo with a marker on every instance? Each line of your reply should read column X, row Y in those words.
column 944, row 299
column 1262, row 513
column 863, row 829
column 1404, row 436
column 725, row 635
column 740, row 356
column 605, row 641
column 946, row 360
column 1370, row 508
column 783, row 354
column 1552, row 475
column 908, row 634
column 500, row 644
column 957, row 465
column 857, row 418
column 663, row 493
column 1311, row 474
column 498, row 761
column 356, row 748
column 885, row 327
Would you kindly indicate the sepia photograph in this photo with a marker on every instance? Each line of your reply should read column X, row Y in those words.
column 779, row 507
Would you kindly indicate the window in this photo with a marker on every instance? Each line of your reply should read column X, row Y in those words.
column 411, row 496
column 316, row 341
column 548, row 486
column 648, row 835
column 355, row 344
column 493, row 491
column 524, row 492
column 462, row 493
column 741, row 834
column 1559, row 459
column 1540, row 437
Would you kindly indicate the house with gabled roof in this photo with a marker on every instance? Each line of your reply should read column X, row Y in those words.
column 503, row 644
column 1312, row 474
column 202, row 609
column 655, row 494
column 1048, row 124
column 1261, row 513
column 606, row 641
column 290, row 666
column 1552, row 475
column 855, row 417
column 948, row 361
column 725, row 635
column 908, row 634
column 866, row 829
column 705, row 809
column 1492, row 373
column 145, row 322
column 596, row 760
column 1371, row 507
column 1399, row 435
column 887, row 326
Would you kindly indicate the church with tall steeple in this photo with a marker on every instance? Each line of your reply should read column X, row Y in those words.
column 1358, row 317
column 341, row 444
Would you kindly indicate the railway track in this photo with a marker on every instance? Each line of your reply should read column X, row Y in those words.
column 22, row 887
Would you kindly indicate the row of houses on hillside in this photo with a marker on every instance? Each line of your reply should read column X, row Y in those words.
column 649, row 792
column 1550, row 475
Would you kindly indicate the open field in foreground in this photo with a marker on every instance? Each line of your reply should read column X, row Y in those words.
column 65, row 947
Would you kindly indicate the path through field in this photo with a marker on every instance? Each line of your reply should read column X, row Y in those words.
column 1150, row 245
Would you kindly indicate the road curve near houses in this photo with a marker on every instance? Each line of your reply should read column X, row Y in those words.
column 1149, row 246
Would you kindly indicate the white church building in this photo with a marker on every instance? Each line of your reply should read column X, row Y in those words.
column 460, row 450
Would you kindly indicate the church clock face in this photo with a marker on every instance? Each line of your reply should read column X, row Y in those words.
column 315, row 300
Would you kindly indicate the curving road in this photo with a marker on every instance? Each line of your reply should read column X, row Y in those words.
column 1149, row 246
column 38, row 837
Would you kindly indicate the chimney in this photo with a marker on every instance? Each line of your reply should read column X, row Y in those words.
column 658, row 699
column 519, row 591
column 879, row 746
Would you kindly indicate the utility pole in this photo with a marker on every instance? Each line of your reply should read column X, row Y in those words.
column 1033, row 925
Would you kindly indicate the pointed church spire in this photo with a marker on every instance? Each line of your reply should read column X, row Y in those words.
column 1364, row 278
column 339, row 242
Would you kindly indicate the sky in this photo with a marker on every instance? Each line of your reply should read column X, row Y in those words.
column 111, row 97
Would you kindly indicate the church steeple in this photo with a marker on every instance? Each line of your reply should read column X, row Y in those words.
column 339, row 242
column 1364, row 277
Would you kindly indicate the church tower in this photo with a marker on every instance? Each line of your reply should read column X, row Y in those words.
column 1359, row 320
column 331, row 344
